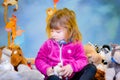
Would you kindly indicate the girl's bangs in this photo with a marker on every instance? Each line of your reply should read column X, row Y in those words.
column 58, row 23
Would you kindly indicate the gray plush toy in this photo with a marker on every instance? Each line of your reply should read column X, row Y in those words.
column 113, row 70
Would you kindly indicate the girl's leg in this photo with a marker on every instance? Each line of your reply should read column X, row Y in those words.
column 87, row 73
column 53, row 77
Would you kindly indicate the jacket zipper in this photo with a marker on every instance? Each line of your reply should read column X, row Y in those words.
column 61, row 61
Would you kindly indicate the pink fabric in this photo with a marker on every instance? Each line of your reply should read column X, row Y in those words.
column 72, row 53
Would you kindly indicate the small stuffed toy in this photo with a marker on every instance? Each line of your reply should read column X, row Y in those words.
column 113, row 70
column 17, row 57
column 105, row 53
column 96, row 59
column 57, row 70
column 29, row 74
column 5, row 54
column 12, row 3
column 93, row 56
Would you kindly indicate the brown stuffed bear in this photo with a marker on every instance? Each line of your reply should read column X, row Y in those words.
column 17, row 57
column 96, row 59
column 93, row 56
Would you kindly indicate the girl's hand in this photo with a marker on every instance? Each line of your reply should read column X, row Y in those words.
column 49, row 71
column 67, row 70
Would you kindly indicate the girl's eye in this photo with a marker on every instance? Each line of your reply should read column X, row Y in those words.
column 58, row 31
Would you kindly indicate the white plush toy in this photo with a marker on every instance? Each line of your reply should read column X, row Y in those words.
column 6, row 54
column 113, row 70
column 105, row 53
column 5, row 60
column 29, row 74
column 6, row 66
column 57, row 69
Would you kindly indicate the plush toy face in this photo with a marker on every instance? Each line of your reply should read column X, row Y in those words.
column 93, row 56
column 116, row 54
column 17, row 57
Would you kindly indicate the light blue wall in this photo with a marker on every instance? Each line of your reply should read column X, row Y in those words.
column 98, row 20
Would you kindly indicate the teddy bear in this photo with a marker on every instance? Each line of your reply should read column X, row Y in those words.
column 17, row 57
column 113, row 69
column 93, row 56
column 96, row 59
column 11, row 2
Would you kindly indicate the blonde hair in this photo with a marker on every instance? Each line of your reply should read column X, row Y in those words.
column 65, row 18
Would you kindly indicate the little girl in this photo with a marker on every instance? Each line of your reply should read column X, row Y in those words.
column 64, row 49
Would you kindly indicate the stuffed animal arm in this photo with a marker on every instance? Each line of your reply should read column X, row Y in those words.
column 57, row 69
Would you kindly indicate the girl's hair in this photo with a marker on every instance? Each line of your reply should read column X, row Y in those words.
column 67, row 19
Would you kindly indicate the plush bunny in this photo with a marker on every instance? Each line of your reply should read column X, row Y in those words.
column 113, row 70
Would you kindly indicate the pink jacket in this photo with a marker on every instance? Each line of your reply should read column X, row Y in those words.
column 50, row 54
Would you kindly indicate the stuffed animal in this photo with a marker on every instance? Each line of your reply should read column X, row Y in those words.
column 57, row 70
column 5, row 64
column 6, row 54
column 96, row 59
column 93, row 56
column 105, row 53
column 12, row 3
column 17, row 57
column 113, row 70
column 29, row 74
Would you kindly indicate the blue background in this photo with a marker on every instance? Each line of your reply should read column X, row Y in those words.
column 98, row 20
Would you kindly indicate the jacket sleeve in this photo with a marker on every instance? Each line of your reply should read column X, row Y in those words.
column 41, row 61
column 80, row 58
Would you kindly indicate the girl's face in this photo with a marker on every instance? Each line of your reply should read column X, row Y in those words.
column 59, row 34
